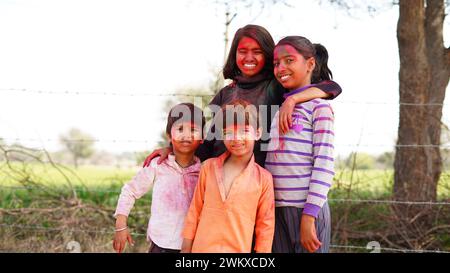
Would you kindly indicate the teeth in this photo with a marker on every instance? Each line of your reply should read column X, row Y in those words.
column 284, row 77
column 250, row 65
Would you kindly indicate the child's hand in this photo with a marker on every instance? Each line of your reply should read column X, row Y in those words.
column 285, row 115
column 121, row 237
column 308, row 236
column 163, row 153
column 120, row 240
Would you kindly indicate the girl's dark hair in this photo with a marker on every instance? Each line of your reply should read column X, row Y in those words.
column 185, row 112
column 307, row 50
column 265, row 41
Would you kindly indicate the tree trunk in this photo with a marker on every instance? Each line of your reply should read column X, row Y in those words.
column 440, row 72
column 424, row 74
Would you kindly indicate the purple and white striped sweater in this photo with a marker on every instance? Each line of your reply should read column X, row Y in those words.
column 301, row 161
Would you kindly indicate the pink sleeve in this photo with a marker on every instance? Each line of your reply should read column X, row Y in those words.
column 135, row 189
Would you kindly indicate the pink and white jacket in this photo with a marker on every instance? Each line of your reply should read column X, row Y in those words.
column 173, row 187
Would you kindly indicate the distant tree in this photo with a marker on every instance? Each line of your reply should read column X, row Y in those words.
column 360, row 161
column 78, row 144
column 2, row 147
column 386, row 160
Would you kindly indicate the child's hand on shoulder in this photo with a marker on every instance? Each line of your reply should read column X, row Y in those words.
column 163, row 153
column 308, row 236
column 285, row 115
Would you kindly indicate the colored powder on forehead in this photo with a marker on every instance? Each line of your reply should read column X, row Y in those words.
column 284, row 50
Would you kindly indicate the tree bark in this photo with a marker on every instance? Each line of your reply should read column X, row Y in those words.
column 424, row 74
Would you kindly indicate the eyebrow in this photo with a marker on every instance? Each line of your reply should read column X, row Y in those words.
column 182, row 124
column 246, row 48
column 285, row 56
column 246, row 127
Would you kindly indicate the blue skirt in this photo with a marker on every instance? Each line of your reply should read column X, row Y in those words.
column 287, row 230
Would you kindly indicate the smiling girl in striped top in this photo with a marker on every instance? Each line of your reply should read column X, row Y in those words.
column 301, row 160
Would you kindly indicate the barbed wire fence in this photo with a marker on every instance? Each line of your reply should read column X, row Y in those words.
column 149, row 94
column 4, row 185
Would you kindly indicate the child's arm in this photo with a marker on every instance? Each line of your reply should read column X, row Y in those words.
column 325, row 90
column 323, row 158
column 195, row 209
column 322, row 90
column 265, row 218
column 131, row 191
column 322, row 173
column 139, row 185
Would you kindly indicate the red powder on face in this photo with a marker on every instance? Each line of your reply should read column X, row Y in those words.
column 249, row 57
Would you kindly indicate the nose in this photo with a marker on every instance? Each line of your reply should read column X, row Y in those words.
column 238, row 136
column 249, row 56
column 281, row 67
column 186, row 134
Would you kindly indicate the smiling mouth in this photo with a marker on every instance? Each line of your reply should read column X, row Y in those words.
column 237, row 146
column 284, row 78
column 250, row 66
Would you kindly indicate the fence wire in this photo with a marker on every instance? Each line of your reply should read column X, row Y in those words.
column 442, row 146
column 138, row 94
column 340, row 200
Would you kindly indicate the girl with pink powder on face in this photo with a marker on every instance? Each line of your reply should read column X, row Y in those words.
column 173, row 183
column 301, row 161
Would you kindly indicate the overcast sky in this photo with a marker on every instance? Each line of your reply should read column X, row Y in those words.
column 144, row 50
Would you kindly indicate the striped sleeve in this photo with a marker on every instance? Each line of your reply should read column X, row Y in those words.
column 323, row 159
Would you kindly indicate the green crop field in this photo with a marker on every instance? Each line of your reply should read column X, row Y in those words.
column 358, row 183
column 44, row 206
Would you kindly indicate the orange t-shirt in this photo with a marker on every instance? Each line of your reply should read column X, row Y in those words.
column 217, row 223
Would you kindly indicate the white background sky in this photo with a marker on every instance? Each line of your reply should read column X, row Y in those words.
column 160, row 47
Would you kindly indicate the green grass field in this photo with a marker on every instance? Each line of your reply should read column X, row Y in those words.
column 43, row 195
column 350, row 184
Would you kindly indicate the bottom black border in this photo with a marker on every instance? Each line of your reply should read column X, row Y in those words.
column 85, row 262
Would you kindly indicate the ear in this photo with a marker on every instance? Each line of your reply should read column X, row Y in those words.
column 311, row 64
column 169, row 138
column 258, row 133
